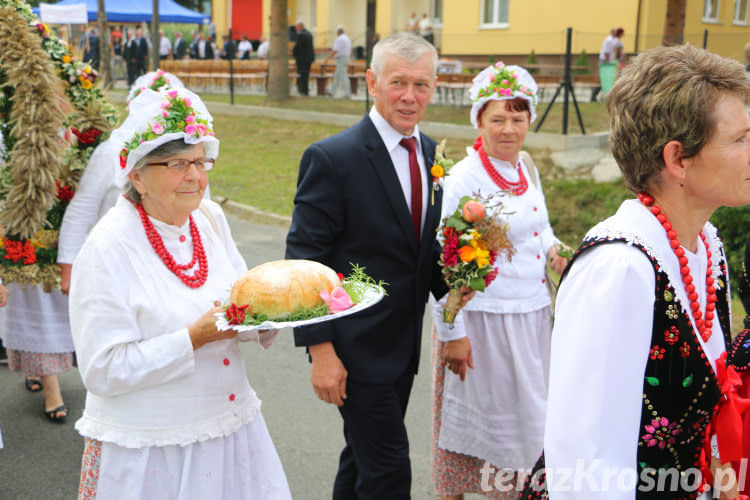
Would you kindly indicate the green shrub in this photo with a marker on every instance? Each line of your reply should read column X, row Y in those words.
column 582, row 60
column 531, row 60
column 733, row 225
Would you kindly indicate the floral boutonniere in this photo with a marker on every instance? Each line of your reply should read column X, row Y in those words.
column 440, row 167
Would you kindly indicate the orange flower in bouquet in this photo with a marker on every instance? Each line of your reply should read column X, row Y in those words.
column 473, row 237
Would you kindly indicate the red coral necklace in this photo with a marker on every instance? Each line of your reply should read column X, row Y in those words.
column 704, row 321
column 200, row 275
column 517, row 188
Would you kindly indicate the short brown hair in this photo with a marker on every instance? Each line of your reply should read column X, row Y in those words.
column 666, row 94
column 517, row 105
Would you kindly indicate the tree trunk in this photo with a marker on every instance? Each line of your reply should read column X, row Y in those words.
column 674, row 25
column 105, row 59
column 278, row 54
column 155, row 36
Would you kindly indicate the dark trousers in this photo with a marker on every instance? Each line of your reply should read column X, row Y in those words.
column 132, row 67
column 304, row 77
column 374, row 464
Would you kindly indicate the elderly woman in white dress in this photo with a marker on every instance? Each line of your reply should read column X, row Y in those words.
column 169, row 411
column 489, row 408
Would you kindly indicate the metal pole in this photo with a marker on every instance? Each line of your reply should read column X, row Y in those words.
column 566, row 80
column 368, row 43
column 231, row 68
column 705, row 39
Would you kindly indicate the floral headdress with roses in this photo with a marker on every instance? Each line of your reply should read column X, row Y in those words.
column 501, row 82
column 159, row 117
column 153, row 80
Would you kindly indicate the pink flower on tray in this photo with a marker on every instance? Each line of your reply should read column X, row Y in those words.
column 189, row 119
column 188, row 102
column 172, row 94
column 157, row 128
column 338, row 300
column 190, row 129
column 201, row 129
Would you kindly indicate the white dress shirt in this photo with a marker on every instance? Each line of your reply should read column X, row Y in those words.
column 342, row 46
column 164, row 46
column 400, row 158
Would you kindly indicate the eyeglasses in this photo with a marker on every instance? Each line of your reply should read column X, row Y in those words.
column 180, row 165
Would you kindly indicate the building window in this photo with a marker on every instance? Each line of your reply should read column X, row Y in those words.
column 495, row 13
column 437, row 12
column 740, row 11
column 711, row 11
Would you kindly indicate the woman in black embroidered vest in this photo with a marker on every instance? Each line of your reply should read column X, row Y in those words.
column 642, row 316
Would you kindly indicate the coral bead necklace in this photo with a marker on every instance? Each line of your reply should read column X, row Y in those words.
column 517, row 188
column 704, row 321
column 198, row 278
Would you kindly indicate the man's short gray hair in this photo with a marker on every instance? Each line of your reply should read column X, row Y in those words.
column 404, row 45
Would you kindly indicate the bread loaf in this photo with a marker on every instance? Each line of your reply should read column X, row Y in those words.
column 280, row 287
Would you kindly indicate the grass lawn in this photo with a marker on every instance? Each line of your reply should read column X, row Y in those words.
column 594, row 115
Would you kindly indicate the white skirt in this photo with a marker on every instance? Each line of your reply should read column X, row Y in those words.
column 36, row 321
column 497, row 413
column 243, row 465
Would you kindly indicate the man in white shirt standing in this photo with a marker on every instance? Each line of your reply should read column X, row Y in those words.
column 341, row 50
column 165, row 46
column 263, row 48
column 244, row 48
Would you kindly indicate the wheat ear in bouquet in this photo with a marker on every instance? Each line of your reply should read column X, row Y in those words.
column 473, row 237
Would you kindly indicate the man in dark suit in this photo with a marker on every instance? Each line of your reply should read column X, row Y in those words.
column 90, row 46
column 364, row 197
column 142, row 52
column 130, row 52
column 179, row 47
column 228, row 50
column 304, row 55
column 202, row 48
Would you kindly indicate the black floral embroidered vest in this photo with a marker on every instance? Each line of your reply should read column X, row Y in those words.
column 680, row 393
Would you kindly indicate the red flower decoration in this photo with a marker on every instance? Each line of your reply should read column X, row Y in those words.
column 236, row 314
column 64, row 193
column 123, row 158
column 450, row 250
column 657, row 352
column 490, row 277
column 341, row 276
column 16, row 251
column 672, row 335
column 685, row 350
column 88, row 136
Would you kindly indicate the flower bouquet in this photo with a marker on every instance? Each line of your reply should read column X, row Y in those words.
column 472, row 238
column 350, row 295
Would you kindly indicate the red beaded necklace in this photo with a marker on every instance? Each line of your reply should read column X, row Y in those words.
column 704, row 322
column 517, row 188
column 199, row 254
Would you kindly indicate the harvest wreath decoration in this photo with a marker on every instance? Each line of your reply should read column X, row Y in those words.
column 39, row 169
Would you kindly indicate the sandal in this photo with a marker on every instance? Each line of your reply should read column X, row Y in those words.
column 52, row 414
column 33, row 384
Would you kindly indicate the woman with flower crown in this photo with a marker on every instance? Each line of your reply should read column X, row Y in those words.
column 488, row 407
column 99, row 187
column 642, row 398
column 169, row 411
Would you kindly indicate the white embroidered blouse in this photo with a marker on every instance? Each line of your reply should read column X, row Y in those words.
column 129, row 315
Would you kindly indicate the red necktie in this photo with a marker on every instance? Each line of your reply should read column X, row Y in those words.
column 410, row 143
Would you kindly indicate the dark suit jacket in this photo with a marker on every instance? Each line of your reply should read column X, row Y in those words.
column 303, row 51
column 179, row 50
column 350, row 208
column 195, row 51
column 131, row 51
